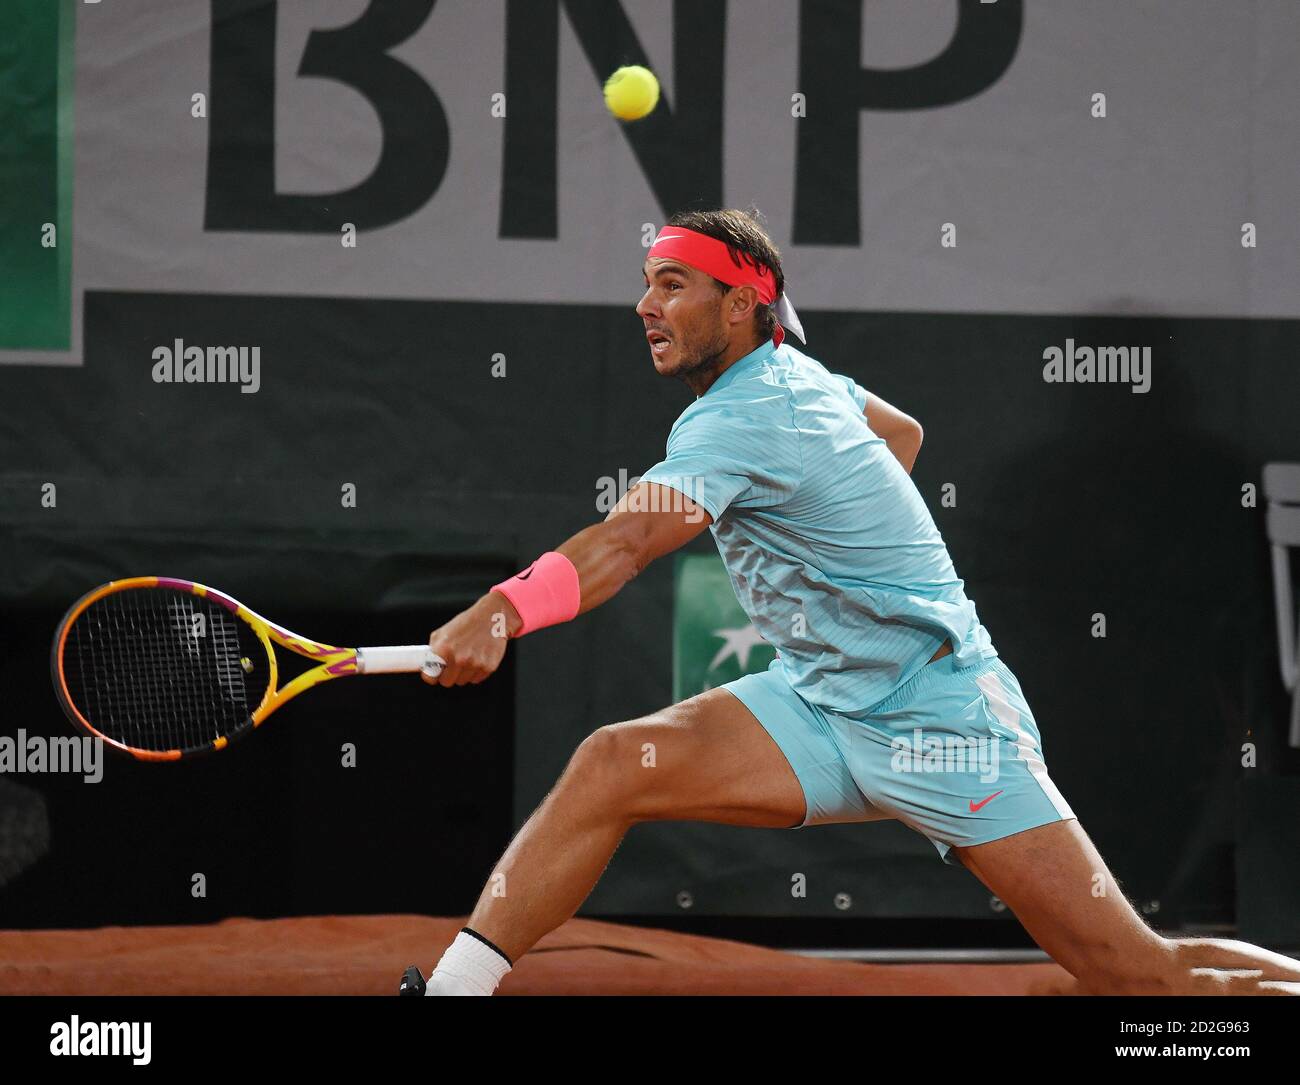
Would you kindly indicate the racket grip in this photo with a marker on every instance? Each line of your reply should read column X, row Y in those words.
column 404, row 659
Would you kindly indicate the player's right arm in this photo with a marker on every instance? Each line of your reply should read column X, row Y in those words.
column 901, row 433
column 649, row 522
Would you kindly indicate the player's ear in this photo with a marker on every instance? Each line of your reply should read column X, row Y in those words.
column 743, row 302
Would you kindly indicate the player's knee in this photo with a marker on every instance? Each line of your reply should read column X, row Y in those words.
column 609, row 768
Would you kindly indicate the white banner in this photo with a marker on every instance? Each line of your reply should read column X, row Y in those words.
column 1116, row 164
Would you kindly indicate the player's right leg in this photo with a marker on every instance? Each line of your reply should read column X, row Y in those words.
column 706, row 759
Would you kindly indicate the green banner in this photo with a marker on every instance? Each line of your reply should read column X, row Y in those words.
column 36, row 59
column 714, row 641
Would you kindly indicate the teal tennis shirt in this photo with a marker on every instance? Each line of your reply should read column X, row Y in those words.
column 829, row 544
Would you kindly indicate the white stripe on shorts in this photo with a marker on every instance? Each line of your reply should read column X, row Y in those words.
column 990, row 684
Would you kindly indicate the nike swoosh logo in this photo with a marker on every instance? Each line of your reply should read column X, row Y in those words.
column 975, row 806
column 526, row 573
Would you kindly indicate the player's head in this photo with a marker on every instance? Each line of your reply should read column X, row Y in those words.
column 692, row 318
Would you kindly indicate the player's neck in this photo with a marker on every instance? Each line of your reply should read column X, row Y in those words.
column 702, row 379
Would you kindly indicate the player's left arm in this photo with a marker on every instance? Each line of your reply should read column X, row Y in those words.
column 901, row 432
column 649, row 522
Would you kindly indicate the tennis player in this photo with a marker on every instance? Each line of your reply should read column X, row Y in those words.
column 887, row 698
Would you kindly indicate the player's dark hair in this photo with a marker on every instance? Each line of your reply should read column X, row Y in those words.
column 747, row 241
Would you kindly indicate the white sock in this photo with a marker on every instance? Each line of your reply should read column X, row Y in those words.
column 469, row 967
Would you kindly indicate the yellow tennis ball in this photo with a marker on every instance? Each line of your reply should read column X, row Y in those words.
column 631, row 92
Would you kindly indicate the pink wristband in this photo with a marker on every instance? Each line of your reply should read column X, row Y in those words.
column 546, row 593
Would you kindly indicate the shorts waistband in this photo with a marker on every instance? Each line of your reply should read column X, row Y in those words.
column 932, row 673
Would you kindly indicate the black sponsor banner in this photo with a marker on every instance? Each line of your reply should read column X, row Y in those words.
column 1072, row 498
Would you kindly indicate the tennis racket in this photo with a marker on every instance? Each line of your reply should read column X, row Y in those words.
column 164, row 669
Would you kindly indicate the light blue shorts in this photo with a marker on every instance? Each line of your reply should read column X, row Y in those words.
column 953, row 753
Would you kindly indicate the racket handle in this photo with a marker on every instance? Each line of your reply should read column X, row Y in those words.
column 405, row 659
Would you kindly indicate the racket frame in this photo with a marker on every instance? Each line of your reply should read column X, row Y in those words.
column 332, row 661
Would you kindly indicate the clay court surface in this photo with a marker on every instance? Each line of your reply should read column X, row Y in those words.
column 365, row 955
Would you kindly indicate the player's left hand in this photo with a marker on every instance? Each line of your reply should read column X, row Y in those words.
column 474, row 642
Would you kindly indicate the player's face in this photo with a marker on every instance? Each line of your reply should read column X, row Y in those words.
column 682, row 312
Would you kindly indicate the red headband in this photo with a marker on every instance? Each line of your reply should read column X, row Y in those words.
column 713, row 257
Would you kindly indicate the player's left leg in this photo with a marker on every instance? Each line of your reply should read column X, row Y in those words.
column 955, row 753
column 1061, row 890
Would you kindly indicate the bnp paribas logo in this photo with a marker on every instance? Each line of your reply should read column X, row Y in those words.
column 714, row 641
column 36, row 163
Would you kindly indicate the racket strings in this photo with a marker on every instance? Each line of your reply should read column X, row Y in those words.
column 161, row 669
